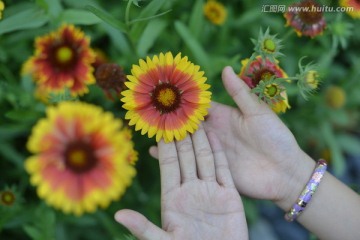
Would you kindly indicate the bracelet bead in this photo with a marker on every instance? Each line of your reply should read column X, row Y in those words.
column 308, row 191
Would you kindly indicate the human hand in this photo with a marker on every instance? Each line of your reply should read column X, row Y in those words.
column 263, row 154
column 264, row 157
column 198, row 196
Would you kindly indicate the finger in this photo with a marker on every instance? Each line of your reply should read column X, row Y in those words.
column 154, row 152
column 204, row 156
column 223, row 174
column 169, row 166
column 139, row 226
column 187, row 160
column 247, row 102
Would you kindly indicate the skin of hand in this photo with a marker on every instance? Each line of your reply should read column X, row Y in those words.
column 198, row 196
column 263, row 154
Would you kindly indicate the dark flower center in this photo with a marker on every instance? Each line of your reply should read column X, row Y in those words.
column 312, row 14
column 110, row 76
column 262, row 74
column 166, row 97
column 80, row 157
column 214, row 13
column 63, row 57
column 7, row 198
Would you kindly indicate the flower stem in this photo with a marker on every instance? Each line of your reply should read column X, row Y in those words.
column 127, row 12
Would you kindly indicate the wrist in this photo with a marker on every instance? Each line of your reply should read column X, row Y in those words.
column 295, row 179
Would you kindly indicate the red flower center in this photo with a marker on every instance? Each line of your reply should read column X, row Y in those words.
column 312, row 14
column 63, row 57
column 80, row 157
column 7, row 198
column 166, row 97
column 262, row 74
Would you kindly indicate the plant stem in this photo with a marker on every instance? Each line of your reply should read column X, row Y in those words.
column 127, row 12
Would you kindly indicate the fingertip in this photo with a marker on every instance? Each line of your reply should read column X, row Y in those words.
column 154, row 152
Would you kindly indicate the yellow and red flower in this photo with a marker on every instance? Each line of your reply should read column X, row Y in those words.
column 215, row 12
column 62, row 60
column 167, row 97
column 354, row 4
column 80, row 158
column 258, row 70
column 306, row 18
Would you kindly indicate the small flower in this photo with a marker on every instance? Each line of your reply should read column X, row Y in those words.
column 257, row 71
column 270, row 91
column 335, row 97
column 110, row 77
column 62, row 60
column 308, row 79
column 267, row 46
column 355, row 4
column 2, row 7
column 167, row 97
column 310, row 22
column 341, row 31
column 80, row 158
column 215, row 12
column 8, row 197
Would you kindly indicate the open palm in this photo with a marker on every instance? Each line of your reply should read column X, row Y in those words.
column 198, row 196
column 258, row 145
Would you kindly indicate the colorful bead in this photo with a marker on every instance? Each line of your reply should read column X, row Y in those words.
column 308, row 191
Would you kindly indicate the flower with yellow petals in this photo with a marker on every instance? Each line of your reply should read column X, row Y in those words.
column 167, row 97
column 258, row 71
column 355, row 4
column 2, row 7
column 62, row 60
column 335, row 97
column 310, row 22
column 80, row 158
column 215, row 12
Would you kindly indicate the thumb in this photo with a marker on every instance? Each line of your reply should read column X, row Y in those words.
column 139, row 226
column 247, row 102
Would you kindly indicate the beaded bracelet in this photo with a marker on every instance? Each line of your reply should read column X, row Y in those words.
column 308, row 191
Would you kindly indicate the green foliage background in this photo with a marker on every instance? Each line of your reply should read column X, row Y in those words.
column 127, row 31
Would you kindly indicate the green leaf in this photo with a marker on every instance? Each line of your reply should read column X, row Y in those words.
column 107, row 18
column 339, row 117
column 197, row 19
column 22, row 115
column 30, row 18
column 195, row 47
column 32, row 232
column 151, row 9
column 149, row 36
column 8, row 152
column 338, row 161
column 349, row 143
column 119, row 41
column 77, row 16
column 53, row 7
column 9, row 131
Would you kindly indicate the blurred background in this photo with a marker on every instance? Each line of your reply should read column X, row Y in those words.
column 326, row 125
